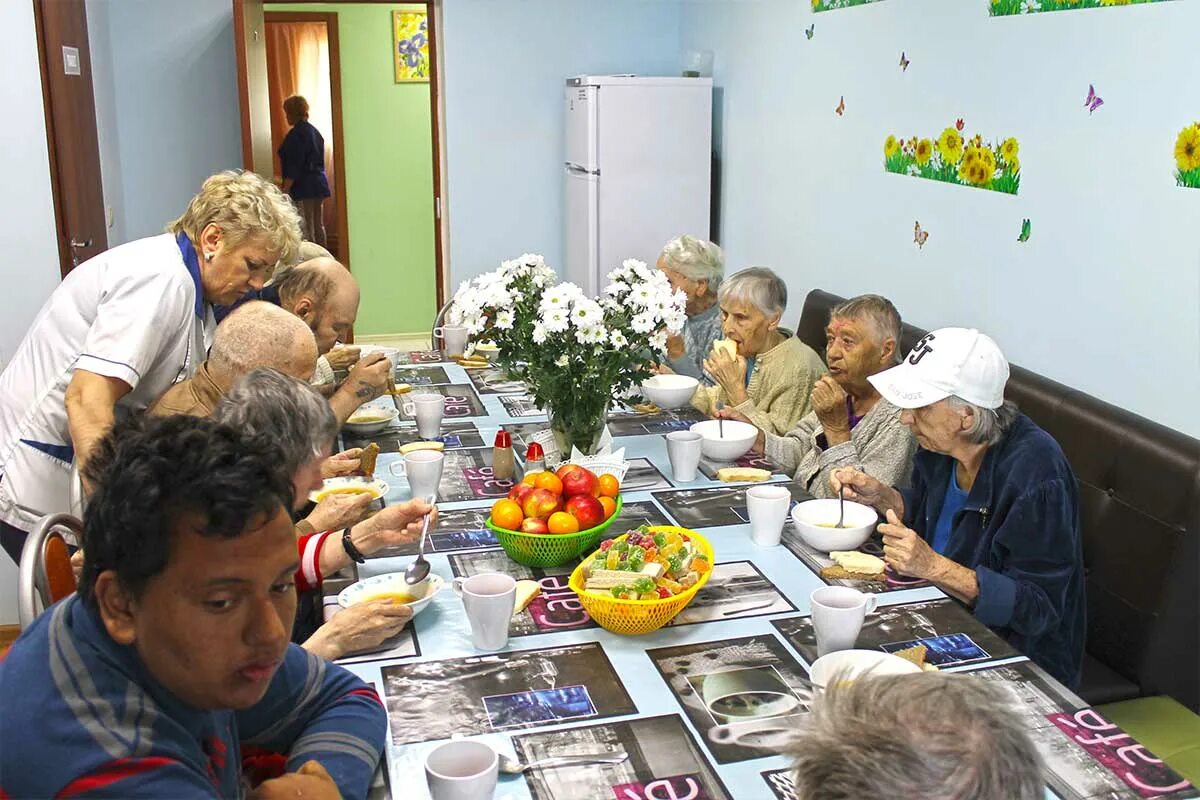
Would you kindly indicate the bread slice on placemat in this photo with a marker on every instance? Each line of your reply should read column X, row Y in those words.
column 855, row 566
column 735, row 474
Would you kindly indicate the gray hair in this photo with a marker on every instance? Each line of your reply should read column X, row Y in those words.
column 696, row 259
column 758, row 286
column 876, row 310
column 269, row 404
column 305, row 278
column 988, row 426
column 259, row 334
column 954, row 737
column 307, row 251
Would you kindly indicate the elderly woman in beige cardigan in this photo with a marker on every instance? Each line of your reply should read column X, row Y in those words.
column 850, row 423
column 770, row 376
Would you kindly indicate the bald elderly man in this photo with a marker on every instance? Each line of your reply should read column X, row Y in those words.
column 256, row 334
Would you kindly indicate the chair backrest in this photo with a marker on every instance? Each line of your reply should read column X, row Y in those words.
column 438, row 321
column 45, row 573
column 1139, row 504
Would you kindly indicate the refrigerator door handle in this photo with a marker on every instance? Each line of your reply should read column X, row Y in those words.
column 578, row 170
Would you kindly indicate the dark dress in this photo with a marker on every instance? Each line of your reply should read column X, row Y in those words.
column 302, row 156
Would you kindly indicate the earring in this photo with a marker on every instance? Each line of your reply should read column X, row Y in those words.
column 208, row 256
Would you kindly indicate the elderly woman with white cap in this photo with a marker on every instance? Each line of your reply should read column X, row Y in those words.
column 992, row 516
column 694, row 267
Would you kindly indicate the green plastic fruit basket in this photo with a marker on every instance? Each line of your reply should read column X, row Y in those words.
column 550, row 549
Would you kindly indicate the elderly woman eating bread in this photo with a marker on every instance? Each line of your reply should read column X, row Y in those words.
column 761, row 372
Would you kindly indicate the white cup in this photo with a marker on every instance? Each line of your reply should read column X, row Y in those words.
column 768, row 507
column 423, row 468
column 462, row 770
column 489, row 598
column 837, row 615
column 683, row 450
column 454, row 339
column 428, row 409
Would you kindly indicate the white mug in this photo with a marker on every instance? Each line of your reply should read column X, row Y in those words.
column 837, row 616
column 454, row 339
column 768, row 508
column 490, row 599
column 683, row 451
column 423, row 468
column 428, row 409
column 462, row 770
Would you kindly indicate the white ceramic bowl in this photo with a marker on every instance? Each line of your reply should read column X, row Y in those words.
column 346, row 484
column 728, row 445
column 851, row 664
column 670, row 391
column 371, row 588
column 370, row 419
column 812, row 516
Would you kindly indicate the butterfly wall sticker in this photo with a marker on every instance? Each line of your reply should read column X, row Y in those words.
column 920, row 236
column 1093, row 101
column 904, row 62
column 841, row 107
column 1026, row 229
column 809, row 30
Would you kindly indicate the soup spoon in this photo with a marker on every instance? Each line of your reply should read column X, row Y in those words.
column 418, row 570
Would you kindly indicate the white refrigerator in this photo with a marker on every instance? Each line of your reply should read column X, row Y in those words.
column 638, row 170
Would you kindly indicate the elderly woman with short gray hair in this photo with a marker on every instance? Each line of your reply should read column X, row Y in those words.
column 694, row 267
column 763, row 373
column 992, row 516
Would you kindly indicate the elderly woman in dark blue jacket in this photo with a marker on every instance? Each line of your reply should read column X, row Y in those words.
column 992, row 516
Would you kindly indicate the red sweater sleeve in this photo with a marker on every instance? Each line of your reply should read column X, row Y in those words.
column 309, row 575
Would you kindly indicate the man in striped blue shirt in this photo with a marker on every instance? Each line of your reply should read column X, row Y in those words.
column 175, row 651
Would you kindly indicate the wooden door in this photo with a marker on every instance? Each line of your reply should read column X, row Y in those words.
column 250, row 42
column 71, row 130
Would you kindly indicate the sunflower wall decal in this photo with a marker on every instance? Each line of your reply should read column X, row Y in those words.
column 952, row 158
column 1187, row 157
column 833, row 5
column 1004, row 8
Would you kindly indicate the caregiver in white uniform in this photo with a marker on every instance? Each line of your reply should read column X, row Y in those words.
column 120, row 330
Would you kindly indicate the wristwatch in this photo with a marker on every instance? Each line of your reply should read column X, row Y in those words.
column 350, row 549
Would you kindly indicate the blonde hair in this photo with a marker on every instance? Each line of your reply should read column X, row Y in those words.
column 243, row 205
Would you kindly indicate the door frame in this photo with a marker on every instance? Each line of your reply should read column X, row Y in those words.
column 440, row 222
column 335, row 97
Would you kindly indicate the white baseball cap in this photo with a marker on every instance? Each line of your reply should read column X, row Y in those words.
column 949, row 361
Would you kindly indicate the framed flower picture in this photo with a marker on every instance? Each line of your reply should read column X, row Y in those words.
column 410, row 46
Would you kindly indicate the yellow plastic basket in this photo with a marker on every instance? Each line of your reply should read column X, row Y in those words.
column 634, row 617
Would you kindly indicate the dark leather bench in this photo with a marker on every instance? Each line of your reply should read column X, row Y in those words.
column 1139, row 491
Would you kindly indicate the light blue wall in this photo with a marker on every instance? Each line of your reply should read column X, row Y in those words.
column 167, row 107
column 505, row 63
column 1105, row 296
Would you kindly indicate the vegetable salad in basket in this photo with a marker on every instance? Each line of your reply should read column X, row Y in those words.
column 645, row 565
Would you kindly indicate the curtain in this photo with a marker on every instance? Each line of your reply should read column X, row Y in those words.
column 298, row 63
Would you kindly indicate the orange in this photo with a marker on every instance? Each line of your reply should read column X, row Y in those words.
column 562, row 522
column 530, row 479
column 507, row 514
column 609, row 487
column 548, row 481
column 609, row 506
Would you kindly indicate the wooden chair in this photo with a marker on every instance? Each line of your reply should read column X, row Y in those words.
column 45, row 574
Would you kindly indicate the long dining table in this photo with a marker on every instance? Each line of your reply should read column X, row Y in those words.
column 701, row 708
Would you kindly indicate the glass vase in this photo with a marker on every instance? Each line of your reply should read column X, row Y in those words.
column 578, row 428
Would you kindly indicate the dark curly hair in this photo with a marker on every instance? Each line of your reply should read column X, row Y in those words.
column 148, row 473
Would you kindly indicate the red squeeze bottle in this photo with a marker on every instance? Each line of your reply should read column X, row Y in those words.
column 535, row 458
column 503, row 464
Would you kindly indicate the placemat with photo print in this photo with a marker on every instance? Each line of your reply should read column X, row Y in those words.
column 781, row 784
column 467, row 475
column 403, row 645
column 713, row 507
column 421, row 376
column 455, row 530
column 461, row 401
column 631, row 423
column 753, row 460
column 744, row 696
column 952, row 637
column 816, row 561
column 521, row 405
column 663, row 762
column 455, row 436
column 494, row 380
column 421, row 357
column 502, row 692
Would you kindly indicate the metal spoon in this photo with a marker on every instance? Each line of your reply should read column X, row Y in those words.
column 841, row 507
column 512, row 766
column 418, row 570
column 720, row 406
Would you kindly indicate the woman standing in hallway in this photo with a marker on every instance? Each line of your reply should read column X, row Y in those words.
column 302, row 165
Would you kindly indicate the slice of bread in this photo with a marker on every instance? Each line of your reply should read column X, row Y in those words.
column 728, row 345
column 366, row 459
column 526, row 591
column 914, row 654
column 836, row 573
column 735, row 474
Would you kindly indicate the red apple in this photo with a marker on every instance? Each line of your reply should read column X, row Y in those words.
column 566, row 469
column 587, row 510
column 534, row 525
column 520, row 492
column 581, row 481
column 540, row 503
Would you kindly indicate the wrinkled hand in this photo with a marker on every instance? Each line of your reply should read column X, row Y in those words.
column 905, row 551
column 362, row 626
column 662, row 369
column 343, row 463
column 77, row 564
column 862, row 488
column 369, row 378
column 829, row 402
column 760, row 443
column 340, row 511
column 676, row 347
column 395, row 525
column 729, row 372
column 311, row 782
column 342, row 357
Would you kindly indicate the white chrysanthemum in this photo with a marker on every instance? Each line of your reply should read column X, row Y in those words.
column 561, row 361
column 504, row 320
column 616, row 287
column 658, row 342
column 556, row 320
column 641, row 295
column 594, row 334
column 586, row 313
column 618, row 340
column 642, row 323
column 675, row 322
column 539, row 333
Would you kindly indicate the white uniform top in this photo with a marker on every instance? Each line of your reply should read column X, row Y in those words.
column 135, row 313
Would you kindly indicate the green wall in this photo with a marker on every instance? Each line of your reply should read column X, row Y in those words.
column 389, row 173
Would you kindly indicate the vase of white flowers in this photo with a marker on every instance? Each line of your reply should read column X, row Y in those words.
column 575, row 353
